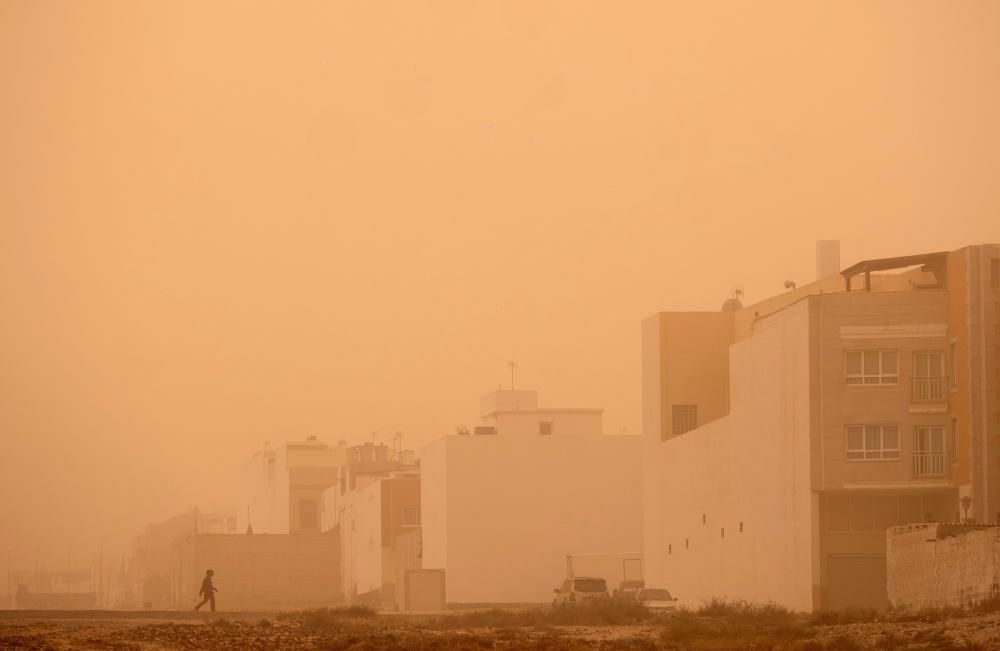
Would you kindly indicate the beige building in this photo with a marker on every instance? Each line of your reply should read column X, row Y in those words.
column 283, row 486
column 783, row 439
column 374, row 509
column 502, row 507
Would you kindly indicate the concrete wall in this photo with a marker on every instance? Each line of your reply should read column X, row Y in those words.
column 565, row 422
column 262, row 571
column 935, row 565
column 500, row 514
column 692, row 350
column 747, row 471
column 360, row 526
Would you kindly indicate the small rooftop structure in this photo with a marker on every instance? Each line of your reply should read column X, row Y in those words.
column 935, row 263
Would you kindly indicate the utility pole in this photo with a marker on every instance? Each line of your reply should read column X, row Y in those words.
column 512, row 366
column 10, row 595
column 100, row 576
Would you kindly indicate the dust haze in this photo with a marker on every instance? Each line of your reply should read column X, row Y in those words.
column 227, row 223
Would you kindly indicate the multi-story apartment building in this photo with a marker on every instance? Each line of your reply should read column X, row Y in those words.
column 782, row 439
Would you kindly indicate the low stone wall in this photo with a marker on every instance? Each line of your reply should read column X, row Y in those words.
column 942, row 565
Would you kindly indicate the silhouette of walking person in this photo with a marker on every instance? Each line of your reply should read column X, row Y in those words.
column 208, row 590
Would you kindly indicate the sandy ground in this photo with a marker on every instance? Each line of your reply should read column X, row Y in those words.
column 175, row 630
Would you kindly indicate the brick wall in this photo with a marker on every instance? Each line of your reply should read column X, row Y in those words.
column 942, row 565
column 261, row 571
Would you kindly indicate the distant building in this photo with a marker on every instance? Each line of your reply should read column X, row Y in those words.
column 150, row 577
column 782, row 439
column 283, row 486
column 502, row 508
column 260, row 571
column 375, row 510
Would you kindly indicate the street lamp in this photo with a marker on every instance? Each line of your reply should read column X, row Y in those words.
column 966, row 503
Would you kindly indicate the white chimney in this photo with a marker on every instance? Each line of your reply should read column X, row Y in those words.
column 827, row 258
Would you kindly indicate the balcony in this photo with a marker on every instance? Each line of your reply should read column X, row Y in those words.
column 929, row 389
column 929, row 464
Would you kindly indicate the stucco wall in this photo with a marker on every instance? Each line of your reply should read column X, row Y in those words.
column 934, row 565
column 501, row 513
column 360, row 526
column 262, row 571
column 750, row 469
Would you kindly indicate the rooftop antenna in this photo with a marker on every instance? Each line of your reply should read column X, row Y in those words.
column 512, row 367
column 397, row 442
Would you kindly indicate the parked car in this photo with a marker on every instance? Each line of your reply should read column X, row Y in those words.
column 627, row 590
column 581, row 589
column 657, row 600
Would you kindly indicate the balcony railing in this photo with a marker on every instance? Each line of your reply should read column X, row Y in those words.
column 928, row 464
column 928, row 389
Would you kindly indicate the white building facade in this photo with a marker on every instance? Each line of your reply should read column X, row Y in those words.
column 503, row 508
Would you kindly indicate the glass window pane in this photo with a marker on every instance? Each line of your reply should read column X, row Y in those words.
column 854, row 380
column 852, row 362
column 890, row 437
column 855, row 454
column 937, row 439
column 890, row 379
column 890, row 455
column 872, row 380
column 873, row 437
column 920, row 443
column 890, row 363
column 871, row 362
column 855, row 438
column 935, row 364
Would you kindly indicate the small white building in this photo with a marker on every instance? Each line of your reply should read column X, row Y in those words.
column 503, row 507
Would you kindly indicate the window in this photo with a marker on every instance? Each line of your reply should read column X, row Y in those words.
column 928, row 375
column 928, row 451
column 545, row 428
column 995, row 273
column 684, row 418
column 872, row 442
column 928, row 363
column 928, row 439
column 871, row 367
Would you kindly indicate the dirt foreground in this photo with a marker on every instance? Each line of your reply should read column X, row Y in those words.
column 689, row 632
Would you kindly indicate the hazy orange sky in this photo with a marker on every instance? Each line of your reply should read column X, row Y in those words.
column 222, row 223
